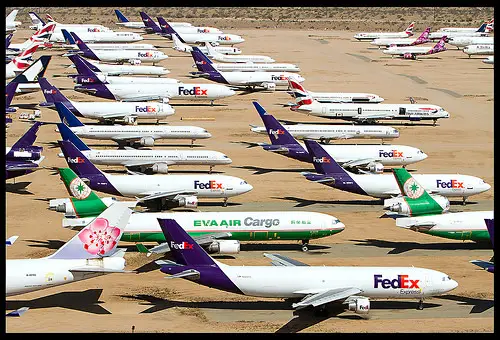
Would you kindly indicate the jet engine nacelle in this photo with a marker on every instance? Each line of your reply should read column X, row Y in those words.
column 359, row 305
column 129, row 120
column 224, row 247
column 135, row 61
column 375, row 167
column 187, row 201
column 400, row 206
column 146, row 141
column 65, row 205
column 160, row 168
column 269, row 86
column 409, row 55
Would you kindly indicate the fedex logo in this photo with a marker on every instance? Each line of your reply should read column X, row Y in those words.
column 452, row 184
column 51, row 91
column 76, row 160
column 145, row 109
column 392, row 153
column 280, row 77
column 87, row 80
column 202, row 62
column 321, row 160
column 145, row 55
column 212, row 184
column 204, row 30
column 401, row 282
column 195, row 91
column 182, row 245
column 95, row 29
column 275, row 133
column 224, row 37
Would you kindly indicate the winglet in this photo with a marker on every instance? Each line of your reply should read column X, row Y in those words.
column 10, row 241
column 18, row 312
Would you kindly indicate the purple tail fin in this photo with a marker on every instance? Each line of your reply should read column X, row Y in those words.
column 423, row 38
column 83, row 47
column 322, row 161
column 28, row 138
column 203, row 63
column 52, row 93
column 77, row 161
column 167, row 29
column 10, row 90
column 490, row 225
column 439, row 47
column 148, row 22
column 184, row 249
column 276, row 132
column 100, row 238
column 82, row 65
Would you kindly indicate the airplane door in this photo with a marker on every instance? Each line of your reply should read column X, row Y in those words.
column 360, row 110
column 259, row 235
column 402, row 111
column 323, row 109
column 466, row 235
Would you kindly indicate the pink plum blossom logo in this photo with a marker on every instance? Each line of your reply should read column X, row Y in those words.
column 99, row 237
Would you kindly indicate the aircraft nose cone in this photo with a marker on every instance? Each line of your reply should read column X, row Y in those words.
column 247, row 187
column 486, row 187
column 424, row 156
column 452, row 285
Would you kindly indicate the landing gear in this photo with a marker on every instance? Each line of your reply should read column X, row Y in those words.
column 225, row 202
column 211, row 103
column 305, row 244
column 463, row 200
column 157, row 122
column 420, row 305
column 192, row 143
column 210, row 171
column 434, row 124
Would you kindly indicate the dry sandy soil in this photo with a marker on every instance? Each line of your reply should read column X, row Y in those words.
column 330, row 61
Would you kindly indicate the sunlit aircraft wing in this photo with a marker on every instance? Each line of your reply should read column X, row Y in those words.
column 98, row 270
column 482, row 264
column 358, row 162
column 203, row 240
column 323, row 297
column 166, row 195
column 187, row 274
column 131, row 164
column 280, row 260
column 15, row 166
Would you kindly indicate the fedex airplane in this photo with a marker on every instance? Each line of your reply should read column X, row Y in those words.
column 91, row 35
column 152, row 27
column 23, row 157
column 129, row 112
column 309, row 286
column 143, row 160
column 330, row 173
column 226, row 231
column 122, row 55
column 412, row 52
column 467, row 225
column 27, row 80
column 180, row 46
column 10, row 91
column 198, row 38
column 92, row 84
column 123, row 21
column 464, row 41
column 38, row 22
column 92, row 252
column 116, row 69
column 422, row 39
column 156, row 191
column 298, row 91
column 370, row 156
column 265, row 80
column 489, row 26
column 374, row 35
column 242, row 58
column 370, row 113
column 71, row 43
column 480, row 32
column 488, row 265
column 479, row 50
column 11, row 23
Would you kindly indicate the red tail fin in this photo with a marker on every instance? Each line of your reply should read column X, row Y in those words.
column 295, row 85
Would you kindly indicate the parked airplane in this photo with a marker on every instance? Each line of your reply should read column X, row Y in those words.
column 242, row 58
column 422, row 39
column 464, row 41
column 330, row 173
column 71, row 43
column 412, row 52
column 154, row 28
column 23, row 157
column 198, row 38
column 10, row 91
column 116, row 69
column 156, row 191
column 148, row 55
column 298, row 91
column 128, row 112
column 374, row 35
column 182, row 47
column 370, row 156
column 20, row 63
column 479, row 50
column 467, row 225
column 132, row 92
column 488, row 265
column 414, row 199
column 480, row 32
column 466, row 29
column 27, row 80
column 226, row 228
column 91, row 28
column 265, row 80
column 143, row 160
column 123, row 21
column 489, row 60
column 92, row 252
column 11, row 23
column 38, row 38
column 310, row 287
column 370, row 113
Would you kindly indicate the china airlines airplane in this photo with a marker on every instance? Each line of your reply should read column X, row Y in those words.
column 182, row 47
column 116, row 69
column 128, row 112
column 412, row 52
column 242, row 58
column 152, row 27
column 423, row 38
column 198, row 38
column 123, row 21
column 330, row 173
column 479, row 50
column 298, row 91
column 374, row 35
column 156, row 191
column 464, row 41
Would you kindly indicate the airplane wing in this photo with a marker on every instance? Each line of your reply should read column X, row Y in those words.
column 482, row 264
column 14, row 166
column 166, row 195
column 131, row 164
column 203, row 240
column 421, row 226
column 187, row 274
column 358, row 162
column 280, row 260
column 375, row 116
column 116, row 115
column 18, row 312
column 98, row 270
column 144, row 98
column 325, row 296
column 393, row 192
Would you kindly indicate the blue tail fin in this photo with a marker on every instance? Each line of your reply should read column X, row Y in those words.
column 77, row 160
column 28, row 138
column 8, row 40
column 148, row 22
column 322, row 161
column 482, row 28
column 67, row 37
column 83, row 66
column 490, row 225
column 184, row 249
column 52, row 93
column 120, row 16
column 67, row 117
column 67, row 134
column 276, row 132
column 10, row 90
column 203, row 63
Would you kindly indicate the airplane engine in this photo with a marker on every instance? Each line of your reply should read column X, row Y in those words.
column 147, row 141
column 269, row 86
column 129, row 120
column 224, row 247
column 375, row 167
column 160, row 168
column 135, row 61
column 398, row 205
column 187, row 201
column 408, row 55
column 65, row 205
column 359, row 305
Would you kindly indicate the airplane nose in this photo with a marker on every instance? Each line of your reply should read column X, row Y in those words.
column 486, row 187
column 452, row 285
column 247, row 187
column 424, row 156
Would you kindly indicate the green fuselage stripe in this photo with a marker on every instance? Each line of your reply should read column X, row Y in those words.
column 474, row 235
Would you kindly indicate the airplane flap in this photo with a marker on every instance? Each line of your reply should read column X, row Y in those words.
column 131, row 164
column 324, row 297
column 280, row 260
column 166, row 195
column 209, row 238
column 117, row 115
column 187, row 274
column 358, row 162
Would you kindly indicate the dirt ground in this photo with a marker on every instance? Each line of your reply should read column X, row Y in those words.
column 329, row 61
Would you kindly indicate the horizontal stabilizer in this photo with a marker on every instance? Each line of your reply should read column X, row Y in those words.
column 325, row 297
column 10, row 241
column 280, row 260
column 18, row 312
column 187, row 274
column 167, row 263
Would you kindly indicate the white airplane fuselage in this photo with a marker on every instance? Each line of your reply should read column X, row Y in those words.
column 182, row 47
column 130, row 80
column 197, row 30
column 252, row 78
column 244, row 58
column 401, row 50
column 92, row 37
column 121, row 55
column 464, row 41
column 376, row 35
column 116, row 69
column 251, row 67
column 117, row 46
column 222, row 39
column 438, row 35
column 393, row 41
column 479, row 49
column 345, row 97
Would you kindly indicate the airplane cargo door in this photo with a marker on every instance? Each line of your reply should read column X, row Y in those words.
column 259, row 235
column 402, row 111
column 360, row 110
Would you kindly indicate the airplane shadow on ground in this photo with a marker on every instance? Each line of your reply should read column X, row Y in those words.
column 260, row 171
column 18, row 188
column 49, row 244
column 84, row 301
column 301, row 202
column 205, row 172
column 401, row 247
column 479, row 305
column 314, row 249
column 196, row 104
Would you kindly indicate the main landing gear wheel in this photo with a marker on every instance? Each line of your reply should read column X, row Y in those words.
column 463, row 200
column 420, row 305
column 225, row 202
column 305, row 244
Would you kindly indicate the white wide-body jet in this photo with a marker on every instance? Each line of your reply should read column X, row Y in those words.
column 479, row 50
column 98, row 36
column 412, row 52
column 242, row 58
column 123, row 21
column 481, row 32
column 199, row 38
column 489, row 26
column 464, row 41
column 423, row 38
column 182, row 47
column 11, row 23
column 119, row 69
column 366, row 36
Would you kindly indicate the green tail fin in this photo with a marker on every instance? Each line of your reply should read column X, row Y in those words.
column 142, row 248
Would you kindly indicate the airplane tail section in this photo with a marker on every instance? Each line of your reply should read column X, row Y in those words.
column 322, row 161
column 44, row 32
column 178, row 44
column 490, row 225
column 203, row 63
column 423, row 38
column 482, row 28
column 12, row 16
column 276, row 132
column 490, row 26
column 8, row 39
column 67, row 117
column 100, row 238
column 84, row 67
column 35, row 71
column 168, row 29
column 83, row 47
column 67, row 134
column 36, row 20
column 52, row 93
column 28, row 138
column 120, row 16
column 149, row 23
column 77, row 160
column 440, row 46
column 68, row 38
column 305, row 100
column 409, row 29
column 212, row 51
column 10, row 90
column 297, row 90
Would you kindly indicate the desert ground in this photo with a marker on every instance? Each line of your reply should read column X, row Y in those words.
column 330, row 61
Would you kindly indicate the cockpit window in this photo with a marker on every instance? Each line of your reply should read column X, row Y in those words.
column 244, row 182
column 335, row 221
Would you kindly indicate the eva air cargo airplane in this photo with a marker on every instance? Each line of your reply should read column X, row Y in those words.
column 217, row 232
